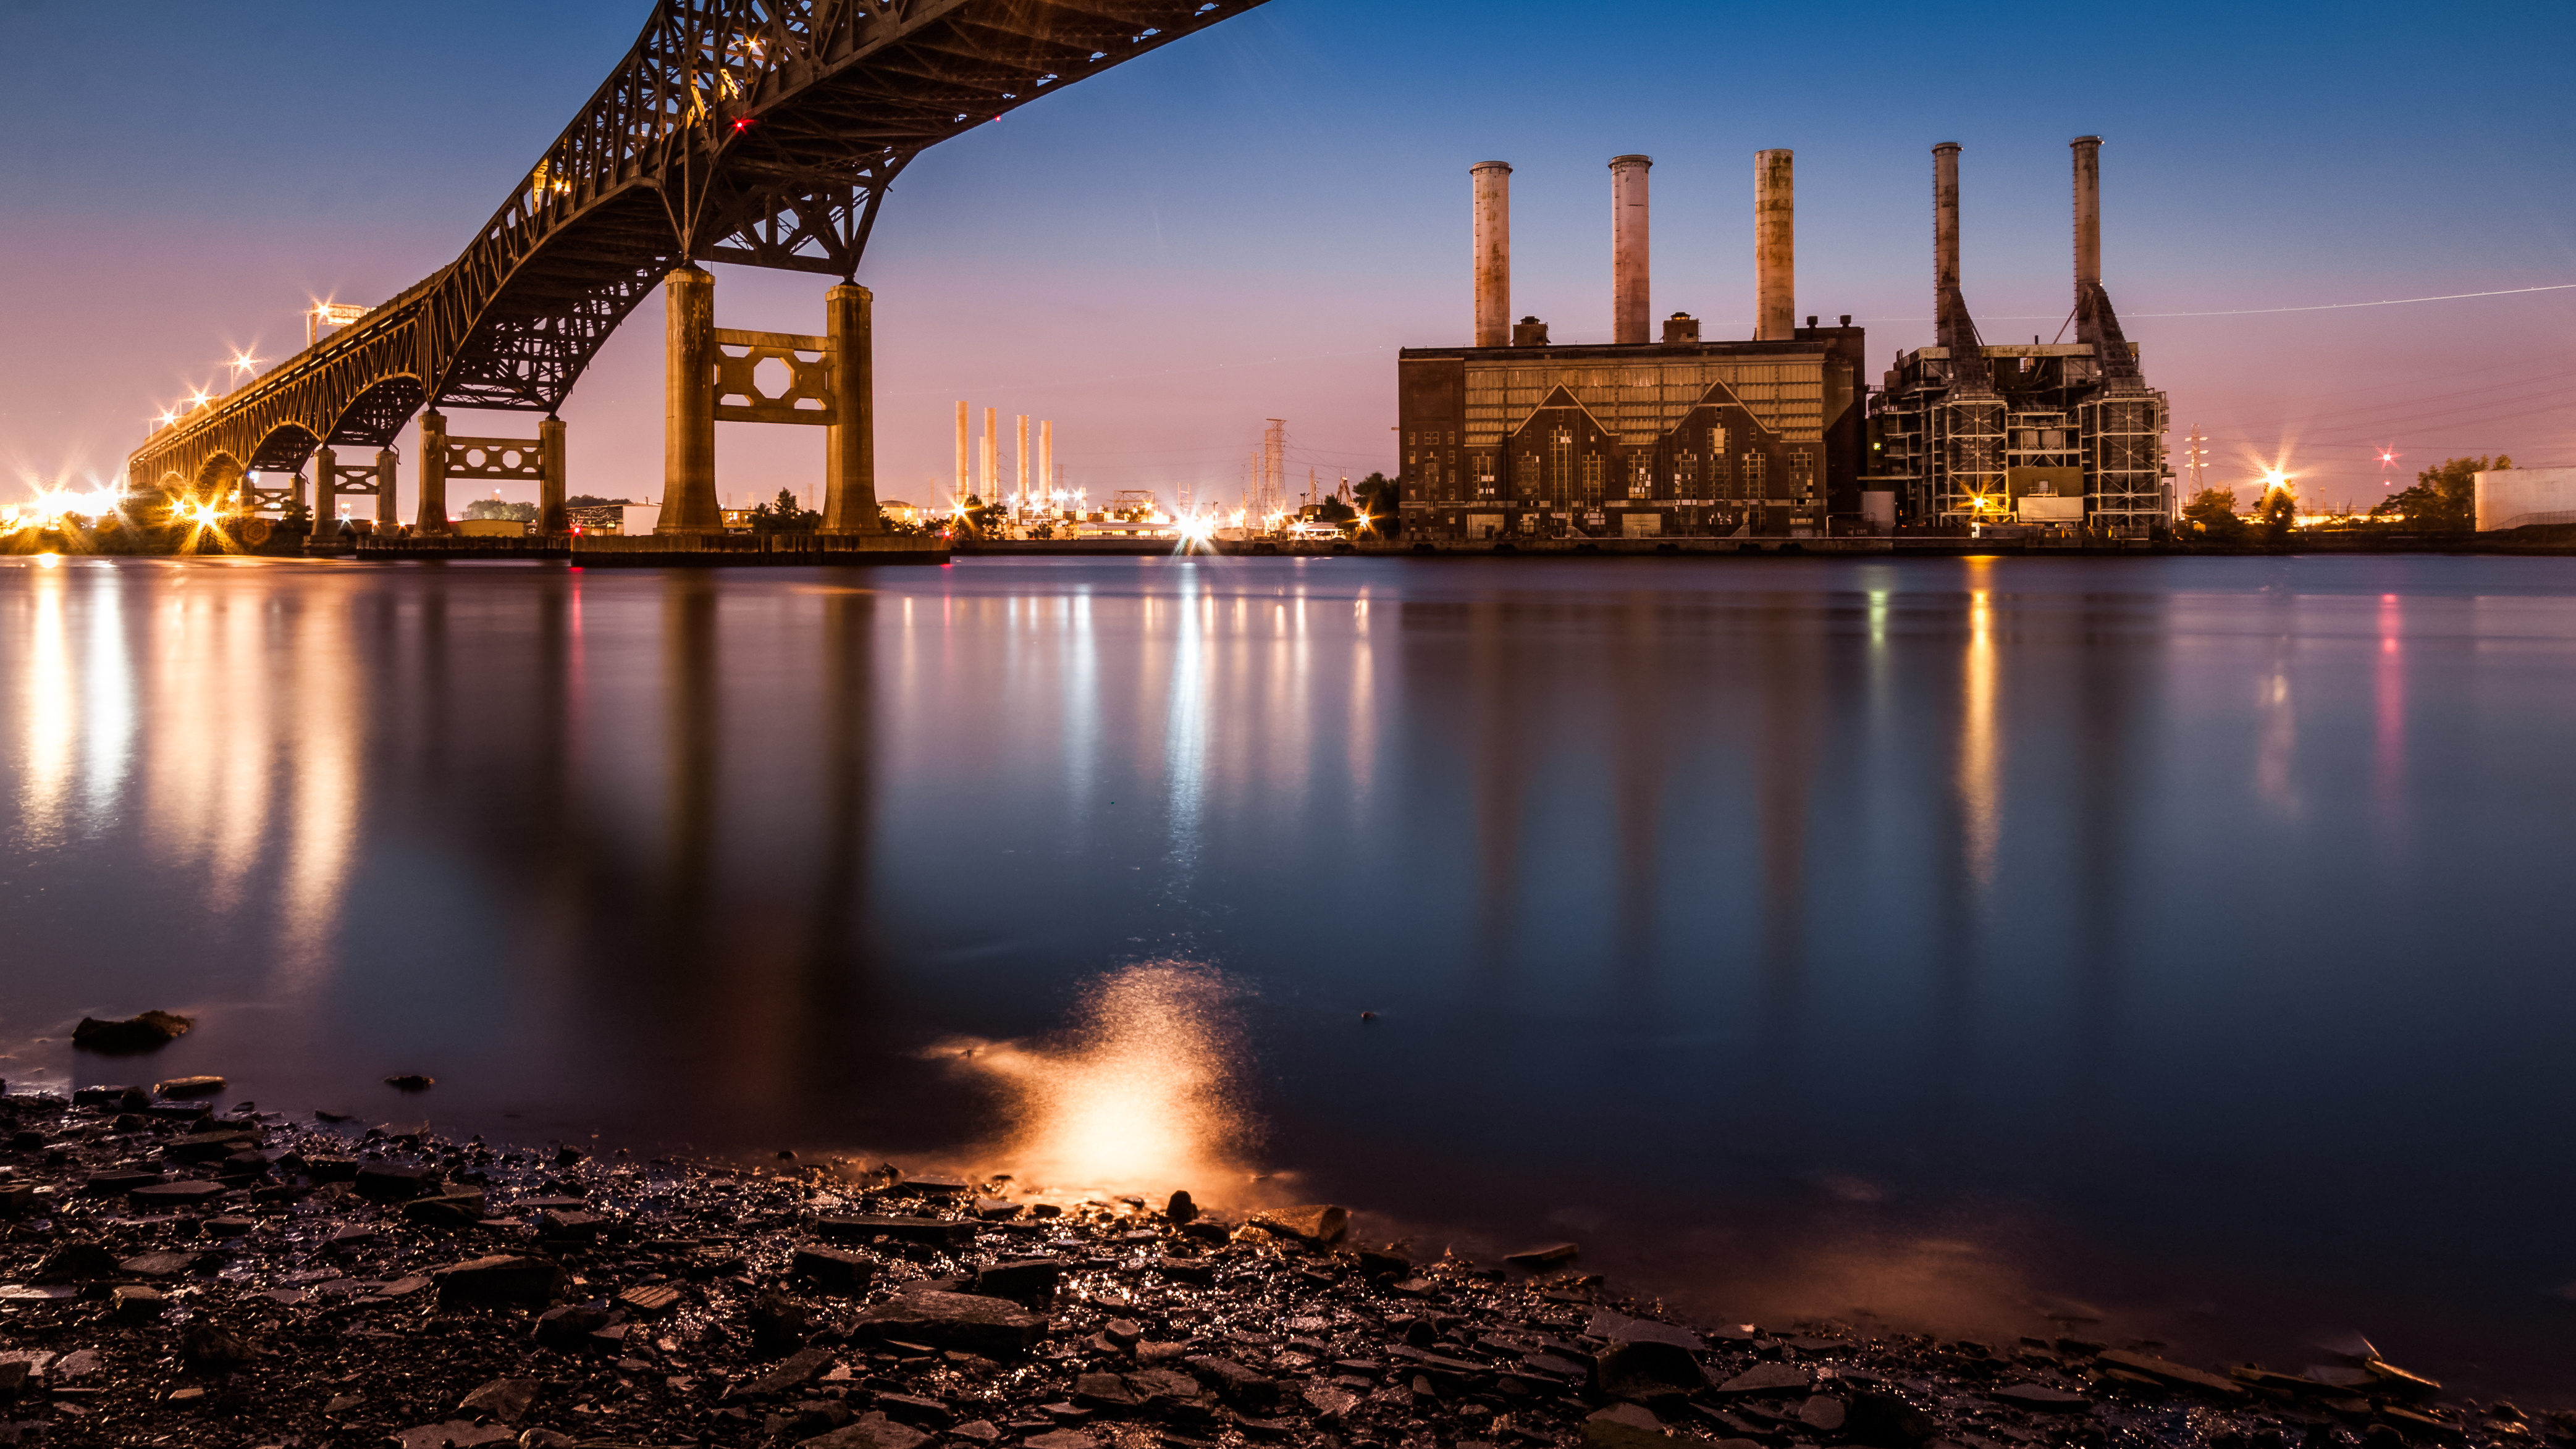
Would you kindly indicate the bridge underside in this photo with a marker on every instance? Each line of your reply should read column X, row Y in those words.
column 758, row 132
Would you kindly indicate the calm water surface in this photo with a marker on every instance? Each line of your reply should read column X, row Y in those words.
column 2179, row 942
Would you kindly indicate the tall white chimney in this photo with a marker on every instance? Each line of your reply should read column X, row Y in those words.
column 1631, row 270
column 1775, row 248
column 1493, row 182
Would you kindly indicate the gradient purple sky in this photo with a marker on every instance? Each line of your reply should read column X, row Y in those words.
column 1248, row 224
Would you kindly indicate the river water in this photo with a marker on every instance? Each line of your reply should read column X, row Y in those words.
column 2160, row 949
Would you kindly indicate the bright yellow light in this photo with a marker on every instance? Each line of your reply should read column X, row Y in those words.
column 1140, row 1101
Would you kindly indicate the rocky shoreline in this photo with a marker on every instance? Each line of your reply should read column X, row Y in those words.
column 174, row 1275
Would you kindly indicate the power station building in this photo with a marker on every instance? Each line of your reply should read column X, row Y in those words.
column 1968, row 433
column 1516, row 437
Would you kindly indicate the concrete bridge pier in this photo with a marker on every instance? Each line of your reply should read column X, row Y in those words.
column 689, row 405
column 433, row 477
column 325, row 537
column 850, row 445
column 550, row 480
column 387, row 518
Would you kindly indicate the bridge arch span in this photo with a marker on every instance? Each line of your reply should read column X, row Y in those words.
column 758, row 132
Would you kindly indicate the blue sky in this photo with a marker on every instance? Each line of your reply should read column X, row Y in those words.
column 1246, row 225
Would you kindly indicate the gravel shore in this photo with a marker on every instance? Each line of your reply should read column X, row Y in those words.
column 171, row 1275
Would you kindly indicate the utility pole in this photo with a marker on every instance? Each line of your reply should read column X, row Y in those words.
column 2195, row 458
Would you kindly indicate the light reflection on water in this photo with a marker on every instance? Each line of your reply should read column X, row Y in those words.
column 1925, row 940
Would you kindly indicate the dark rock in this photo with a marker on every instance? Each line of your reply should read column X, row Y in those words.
column 1879, row 1418
column 2167, row 1371
column 915, row 1410
column 1063, row 1439
column 931, row 1232
column 790, row 1373
column 650, row 1299
column 351, row 1238
column 212, row 1146
column 1625, row 1426
column 1195, row 1271
column 1620, row 1328
column 2040, row 1397
column 1771, row 1379
column 568, row 1225
column 1236, row 1384
column 446, row 1210
column 13, row 1377
column 157, row 1195
column 188, row 1087
column 995, row 1209
column 148, row 1032
column 1313, row 1223
column 1385, row 1265
column 332, row 1169
column 506, row 1400
column 411, row 1082
column 1539, row 1260
column 75, row 1262
column 566, row 1327
column 393, row 1182
column 955, row 1320
column 778, row 1323
column 1103, row 1391
column 160, row 1265
column 454, row 1434
column 500, row 1278
column 1824, row 1413
column 209, row 1346
column 834, row 1270
column 132, row 1302
column 115, row 1184
column 1651, row 1370
column 871, row 1431
column 1030, row 1282
column 1181, row 1209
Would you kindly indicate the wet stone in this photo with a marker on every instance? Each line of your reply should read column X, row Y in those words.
column 869, row 1431
column 500, row 1278
column 835, row 1270
column 955, row 1320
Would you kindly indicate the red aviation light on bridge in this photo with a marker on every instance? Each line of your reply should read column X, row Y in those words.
column 742, row 125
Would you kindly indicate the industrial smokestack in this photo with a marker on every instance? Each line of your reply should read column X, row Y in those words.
column 1945, row 222
column 2088, row 213
column 1493, row 181
column 1631, row 270
column 988, row 463
column 1775, row 247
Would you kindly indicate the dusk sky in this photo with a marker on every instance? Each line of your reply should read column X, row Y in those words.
column 1247, row 224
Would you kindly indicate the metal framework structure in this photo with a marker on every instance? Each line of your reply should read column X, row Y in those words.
column 760, row 132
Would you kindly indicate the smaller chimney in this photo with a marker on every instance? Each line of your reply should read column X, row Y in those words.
column 1945, row 220
column 1530, row 333
column 2088, row 213
column 1631, row 272
column 1493, row 182
column 1681, row 329
column 1775, row 246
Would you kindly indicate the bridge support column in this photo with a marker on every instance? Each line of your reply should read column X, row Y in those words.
column 850, row 445
column 325, row 537
column 689, row 405
column 387, row 518
column 550, row 482
column 433, row 475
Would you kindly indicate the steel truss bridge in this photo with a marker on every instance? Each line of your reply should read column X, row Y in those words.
column 760, row 132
